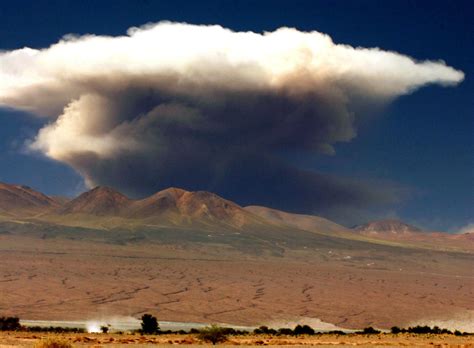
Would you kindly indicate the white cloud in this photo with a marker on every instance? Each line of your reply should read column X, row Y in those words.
column 169, row 96
column 208, row 56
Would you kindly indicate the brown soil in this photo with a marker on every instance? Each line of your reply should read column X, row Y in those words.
column 76, row 280
column 21, row 339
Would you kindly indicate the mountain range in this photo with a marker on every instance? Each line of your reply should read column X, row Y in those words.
column 175, row 214
column 197, row 257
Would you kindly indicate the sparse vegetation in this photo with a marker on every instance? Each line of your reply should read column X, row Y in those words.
column 53, row 343
column 285, row 331
column 213, row 334
column 298, row 330
column 369, row 331
column 427, row 330
column 134, row 339
column 265, row 330
column 303, row 330
column 105, row 328
column 335, row 332
column 149, row 324
column 420, row 330
column 9, row 323
column 53, row 329
column 307, row 330
column 395, row 330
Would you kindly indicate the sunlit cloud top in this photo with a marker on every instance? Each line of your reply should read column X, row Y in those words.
column 212, row 55
column 143, row 110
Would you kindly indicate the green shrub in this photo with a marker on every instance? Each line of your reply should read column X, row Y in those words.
column 213, row 334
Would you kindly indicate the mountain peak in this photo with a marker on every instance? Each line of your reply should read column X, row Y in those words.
column 392, row 226
column 204, row 203
column 101, row 200
column 188, row 204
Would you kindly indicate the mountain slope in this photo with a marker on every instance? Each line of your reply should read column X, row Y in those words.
column 394, row 232
column 303, row 222
column 157, row 204
column 17, row 200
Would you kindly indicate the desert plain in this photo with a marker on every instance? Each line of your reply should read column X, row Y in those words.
column 348, row 288
column 195, row 258
column 29, row 340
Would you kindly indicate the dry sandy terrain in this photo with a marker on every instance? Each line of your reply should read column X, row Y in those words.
column 14, row 339
column 350, row 288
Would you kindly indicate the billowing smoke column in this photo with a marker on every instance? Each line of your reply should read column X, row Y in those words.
column 203, row 107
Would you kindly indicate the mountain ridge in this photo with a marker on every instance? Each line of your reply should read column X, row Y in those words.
column 104, row 208
column 172, row 206
column 20, row 199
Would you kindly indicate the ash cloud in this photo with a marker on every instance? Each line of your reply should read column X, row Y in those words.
column 469, row 228
column 203, row 107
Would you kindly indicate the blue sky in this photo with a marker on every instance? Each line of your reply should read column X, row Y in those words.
column 422, row 142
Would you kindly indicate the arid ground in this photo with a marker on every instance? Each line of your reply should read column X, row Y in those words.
column 194, row 257
column 50, row 279
column 13, row 339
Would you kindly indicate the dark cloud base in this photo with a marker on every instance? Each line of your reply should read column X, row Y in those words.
column 250, row 179
column 206, row 108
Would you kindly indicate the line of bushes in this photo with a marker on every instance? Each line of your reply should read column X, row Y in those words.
column 54, row 329
column 298, row 330
column 13, row 324
column 303, row 330
column 150, row 325
column 307, row 330
column 427, row 330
